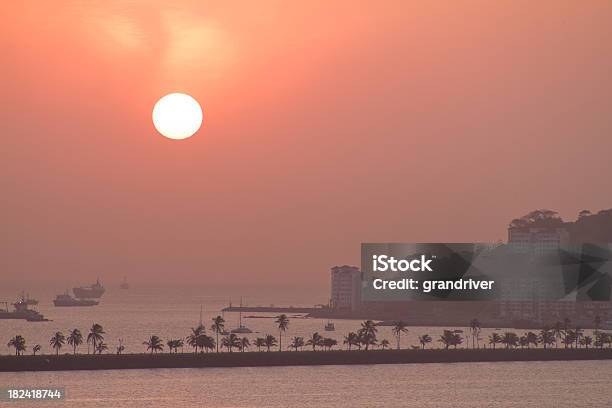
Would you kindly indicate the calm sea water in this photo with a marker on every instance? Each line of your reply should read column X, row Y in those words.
column 135, row 314
column 474, row 385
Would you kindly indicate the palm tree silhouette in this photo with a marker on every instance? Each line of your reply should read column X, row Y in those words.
column 194, row 339
column 399, row 327
column 95, row 336
column 207, row 343
column 384, row 344
column 283, row 323
column 424, row 339
column 368, row 333
column 558, row 332
column 260, row 342
column 269, row 341
column 35, row 349
column 566, row 324
column 154, row 344
column 328, row 343
column 586, row 341
column 19, row 343
column 475, row 331
column 351, row 339
column 315, row 340
column 532, row 338
column 495, row 339
column 57, row 341
column 218, row 326
column 510, row 339
column 230, row 342
column 547, row 337
column 102, row 346
column 297, row 342
column 171, row 345
column 75, row 339
column 244, row 344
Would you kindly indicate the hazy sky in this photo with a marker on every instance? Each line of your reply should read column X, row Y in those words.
column 325, row 125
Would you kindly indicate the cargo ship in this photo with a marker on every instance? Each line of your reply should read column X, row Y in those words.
column 28, row 300
column 67, row 300
column 94, row 291
column 21, row 311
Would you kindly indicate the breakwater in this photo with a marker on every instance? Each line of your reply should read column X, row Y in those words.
column 289, row 358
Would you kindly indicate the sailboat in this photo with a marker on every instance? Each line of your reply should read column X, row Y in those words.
column 330, row 326
column 241, row 329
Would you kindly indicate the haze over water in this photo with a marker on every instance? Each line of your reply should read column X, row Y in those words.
column 473, row 385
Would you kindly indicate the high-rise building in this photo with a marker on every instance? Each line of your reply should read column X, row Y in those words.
column 345, row 287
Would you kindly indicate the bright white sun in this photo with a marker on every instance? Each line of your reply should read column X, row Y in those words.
column 177, row 116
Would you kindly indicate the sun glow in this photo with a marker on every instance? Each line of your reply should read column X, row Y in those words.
column 177, row 116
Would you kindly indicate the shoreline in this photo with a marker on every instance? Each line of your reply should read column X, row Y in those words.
column 68, row 362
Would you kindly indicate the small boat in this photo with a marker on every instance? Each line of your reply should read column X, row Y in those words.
column 124, row 284
column 241, row 329
column 330, row 326
column 67, row 300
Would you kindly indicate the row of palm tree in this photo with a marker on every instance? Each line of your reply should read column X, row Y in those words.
column 95, row 337
column 365, row 338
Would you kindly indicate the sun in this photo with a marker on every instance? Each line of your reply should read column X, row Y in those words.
column 177, row 116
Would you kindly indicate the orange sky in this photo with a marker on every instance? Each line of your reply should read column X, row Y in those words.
column 325, row 125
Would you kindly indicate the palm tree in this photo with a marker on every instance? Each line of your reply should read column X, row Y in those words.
column 566, row 324
column 351, row 339
column 368, row 333
column 178, row 343
column 475, row 331
column 558, row 332
column 207, row 343
column 424, row 339
column 75, row 339
column 244, row 343
column 328, row 343
column 57, row 341
column 297, row 342
column 19, row 343
column 546, row 337
column 315, row 340
column 399, row 327
column 101, row 347
column 578, row 335
column 532, row 338
column 230, row 342
column 523, row 342
column 283, row 323
column 570, row 338
column 384, row 344
column 494, row 339
column 510, row 339
column 95, row 336
column 35, row 349
column 154, row 344
column 586, row 341
column 260, row 342
column 194, row 339
column 269, row 341
column 218, row 326
column 171, row 343
column 447, row 338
